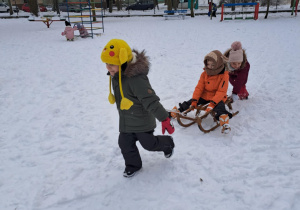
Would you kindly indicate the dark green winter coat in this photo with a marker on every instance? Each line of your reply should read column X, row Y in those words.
column 136, row 87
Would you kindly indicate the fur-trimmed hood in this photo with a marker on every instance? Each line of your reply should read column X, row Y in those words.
column 226, row 54
column 139, row 65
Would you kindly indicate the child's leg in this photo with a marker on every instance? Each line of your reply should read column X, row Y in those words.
column 223, row 116
column 156, row 143
column 220, row 109
column 130, row 152
column 202, row 101
column 186, row 104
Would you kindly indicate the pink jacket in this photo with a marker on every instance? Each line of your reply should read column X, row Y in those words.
column 239, row 77
column 83, row 32
column 69, row 32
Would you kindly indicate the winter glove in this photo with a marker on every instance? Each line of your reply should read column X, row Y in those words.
column 167, row 125
column 194, row 103
column 234, row 97
column 210, row 106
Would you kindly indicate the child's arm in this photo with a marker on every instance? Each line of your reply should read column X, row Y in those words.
column 146, row 95
column 221, row 93
column 199, row 89
column 241, row 79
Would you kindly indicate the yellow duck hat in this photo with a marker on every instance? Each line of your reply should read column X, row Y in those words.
column 117, row 52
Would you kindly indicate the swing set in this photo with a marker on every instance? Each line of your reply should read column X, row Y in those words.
column 295, row 7
column 240, row 15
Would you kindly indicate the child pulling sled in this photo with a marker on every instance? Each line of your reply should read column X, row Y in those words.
column 137, row 103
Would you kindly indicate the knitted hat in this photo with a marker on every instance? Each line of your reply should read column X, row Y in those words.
column 236, row 52
column 117, row 52
column 218, row 59
column 78, row 25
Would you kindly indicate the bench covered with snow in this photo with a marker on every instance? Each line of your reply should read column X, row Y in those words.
column 175, row 14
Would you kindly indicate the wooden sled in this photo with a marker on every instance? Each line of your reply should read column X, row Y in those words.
column 198, row 119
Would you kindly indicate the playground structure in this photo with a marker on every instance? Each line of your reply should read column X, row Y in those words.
column 46, row 19
column 235, row 15
column 175, row 14
column 295, row 7
column 180, row 13
column 89, row 21
column 212, row 9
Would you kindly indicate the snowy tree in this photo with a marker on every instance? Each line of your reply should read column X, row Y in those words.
column 268, row 5
column 10, row 8
column 34, row 9
column 55, row 7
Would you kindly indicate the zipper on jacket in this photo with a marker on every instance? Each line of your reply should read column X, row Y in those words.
column 223, row 84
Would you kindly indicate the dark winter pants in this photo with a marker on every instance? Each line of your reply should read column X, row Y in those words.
column 130, row 152
column 219, row 108
column 214, row 13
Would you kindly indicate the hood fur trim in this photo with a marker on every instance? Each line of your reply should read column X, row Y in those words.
column 139, row 65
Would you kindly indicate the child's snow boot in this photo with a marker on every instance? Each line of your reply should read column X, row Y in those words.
column 173, row 114
column 169, row 151
column 224, row 122
column 129, row 174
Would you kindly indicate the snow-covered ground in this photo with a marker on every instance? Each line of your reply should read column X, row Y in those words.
column 58, row 132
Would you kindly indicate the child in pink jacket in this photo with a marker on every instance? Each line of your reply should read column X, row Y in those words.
column 82, row 30
column 238, row 67
column 69, row 31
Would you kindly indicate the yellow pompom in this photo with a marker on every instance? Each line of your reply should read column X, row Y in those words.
column 111, row 98
column 125, row 104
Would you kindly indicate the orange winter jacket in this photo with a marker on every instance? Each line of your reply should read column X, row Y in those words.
column 212, row 88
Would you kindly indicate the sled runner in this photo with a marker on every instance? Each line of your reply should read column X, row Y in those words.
column 199, row 118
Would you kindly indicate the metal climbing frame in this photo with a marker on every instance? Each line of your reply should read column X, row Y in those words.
column 295, row 7
column 89, row 20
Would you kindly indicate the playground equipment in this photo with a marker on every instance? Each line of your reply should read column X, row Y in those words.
column 195, row 4
column 169, row 14
column 212, row 9
column 234, row 15
column 46, row 19
column 295, row 7
column 89, row 21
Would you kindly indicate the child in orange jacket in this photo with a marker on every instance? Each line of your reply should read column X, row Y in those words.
column 212, row 88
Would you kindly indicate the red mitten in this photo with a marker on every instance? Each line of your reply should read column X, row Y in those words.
column 167, row 125
column 210, row 106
